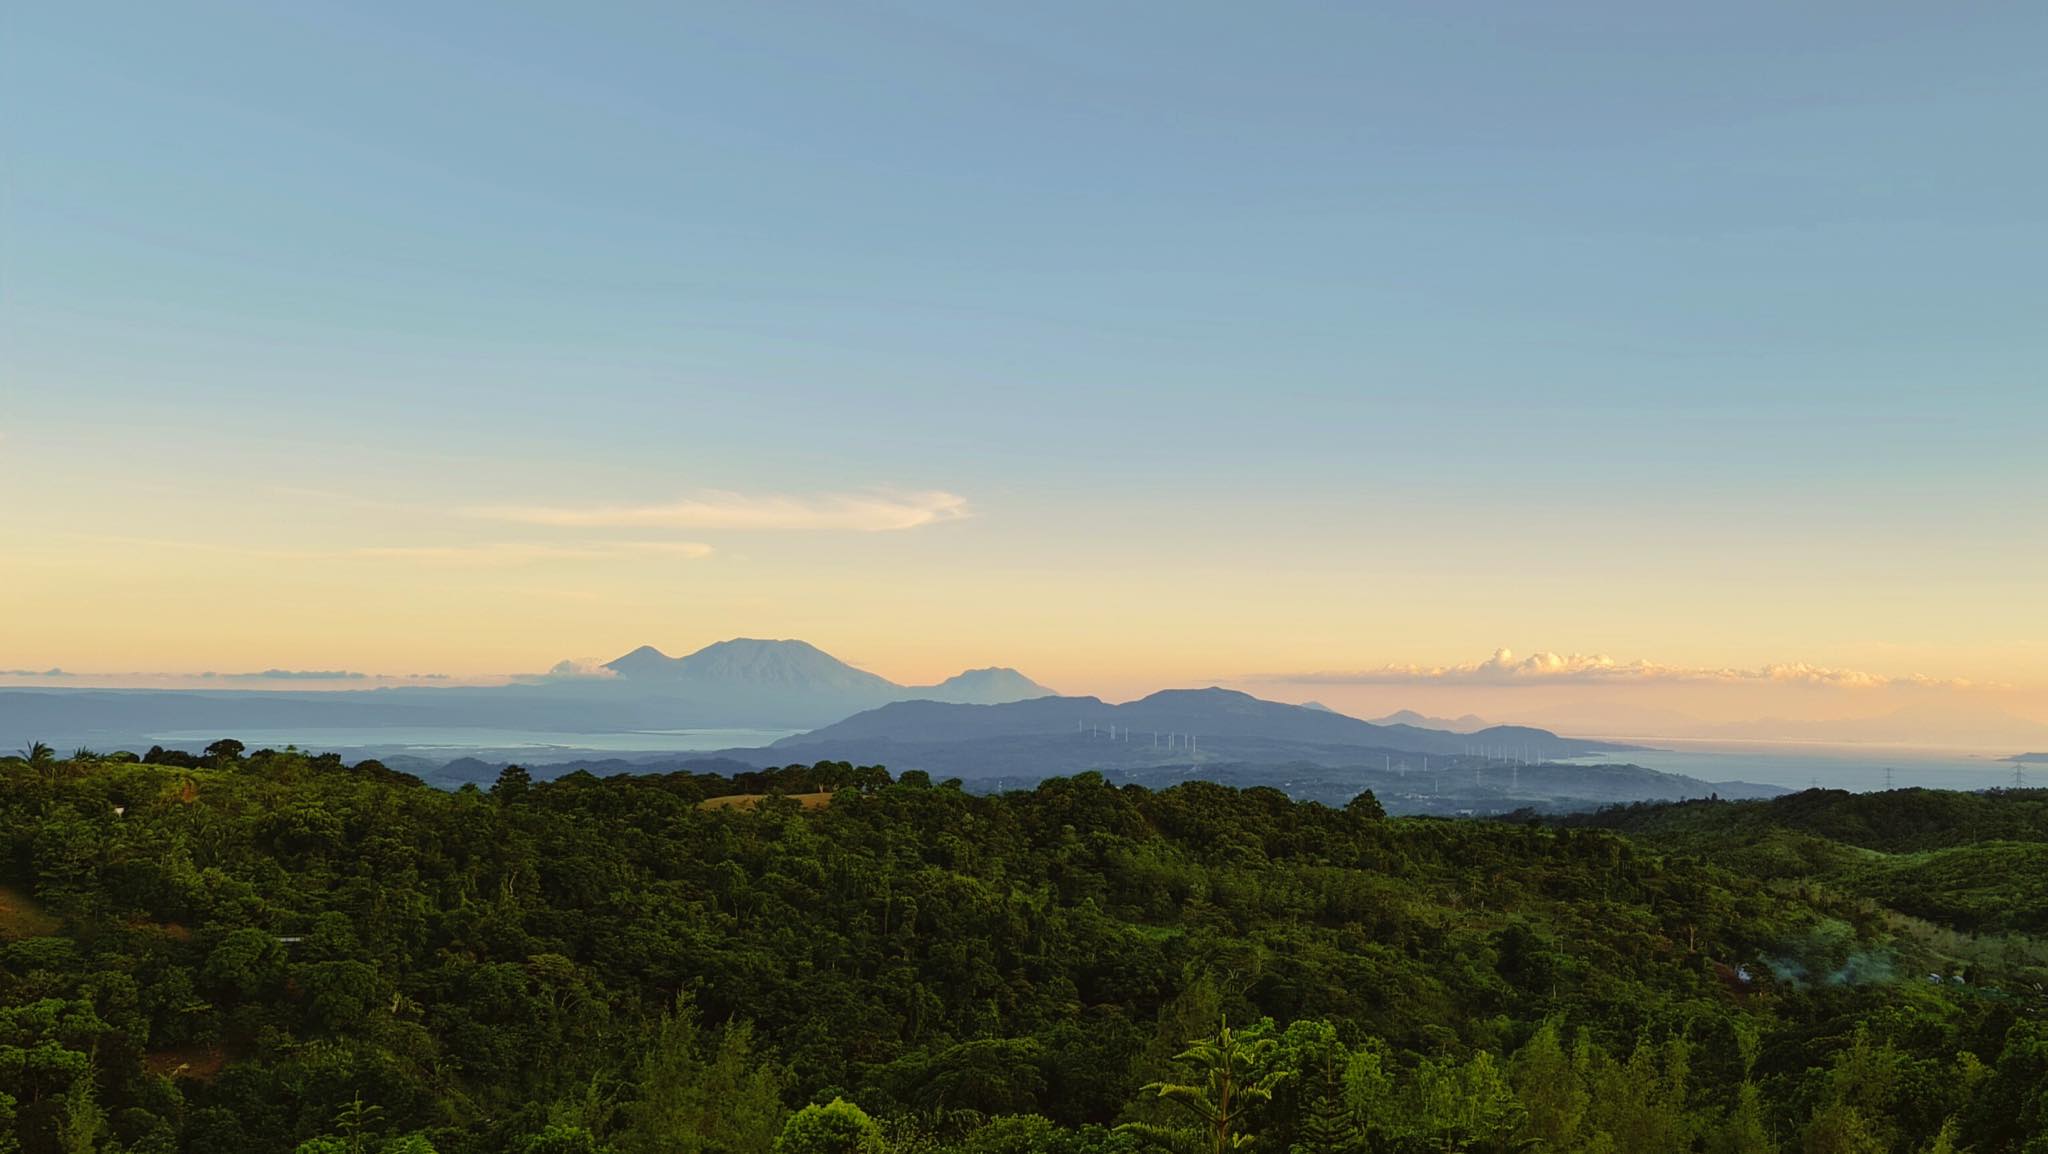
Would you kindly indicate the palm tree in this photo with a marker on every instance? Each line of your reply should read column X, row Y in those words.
column 39, row 754
column 1231, row 1083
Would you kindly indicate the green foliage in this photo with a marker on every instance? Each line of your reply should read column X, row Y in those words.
column 1552, row 1088
column 699, row 1097
column 1462, row 1105
column 271, row 951
column 837, row 1127
column 1037, row 1134
column 1234, row 1078
column 560, row 1139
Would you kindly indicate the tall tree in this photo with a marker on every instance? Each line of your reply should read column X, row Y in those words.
column 1547, row 1082
column 1232, row 1081
column 690, row 1103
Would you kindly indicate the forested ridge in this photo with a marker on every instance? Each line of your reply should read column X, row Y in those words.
column 279, row 952
column 1976, row 862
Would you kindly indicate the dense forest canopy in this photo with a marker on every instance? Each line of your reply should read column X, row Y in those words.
column 273, row 951
column 1972, row 861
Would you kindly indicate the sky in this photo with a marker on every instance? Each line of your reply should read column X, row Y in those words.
column 1317, row 347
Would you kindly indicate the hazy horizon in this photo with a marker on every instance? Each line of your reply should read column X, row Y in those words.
column 1586, row 698
column 1318, row 353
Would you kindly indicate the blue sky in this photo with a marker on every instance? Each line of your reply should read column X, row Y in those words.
column 1578, row 321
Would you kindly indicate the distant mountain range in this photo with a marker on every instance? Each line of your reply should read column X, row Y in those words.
column 793, row 680
column 993, row 726
column 751, row 663
column 744, row 683
column 1185, row 727
column 1470, row 723
column 1194, row 713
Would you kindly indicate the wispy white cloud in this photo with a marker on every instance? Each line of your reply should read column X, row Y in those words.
column 487, row 554
column 873, row 512
column 499, row 553
column 1506, row 669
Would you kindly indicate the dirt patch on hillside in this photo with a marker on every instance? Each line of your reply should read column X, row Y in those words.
column 172, row 930
column 735, row 800
column 200, row 1063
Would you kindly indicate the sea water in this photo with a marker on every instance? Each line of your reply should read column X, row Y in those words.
column 459, row 741
column 1804, row 765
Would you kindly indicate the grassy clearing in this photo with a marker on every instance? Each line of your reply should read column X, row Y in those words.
column 734, row 800
column 21, row 917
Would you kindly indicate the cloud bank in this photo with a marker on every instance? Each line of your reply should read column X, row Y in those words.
column 292, row 675
column 1506, row 669
column 573, row 669
column 876, row 512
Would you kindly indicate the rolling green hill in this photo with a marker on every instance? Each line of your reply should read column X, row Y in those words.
column 277, row 952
